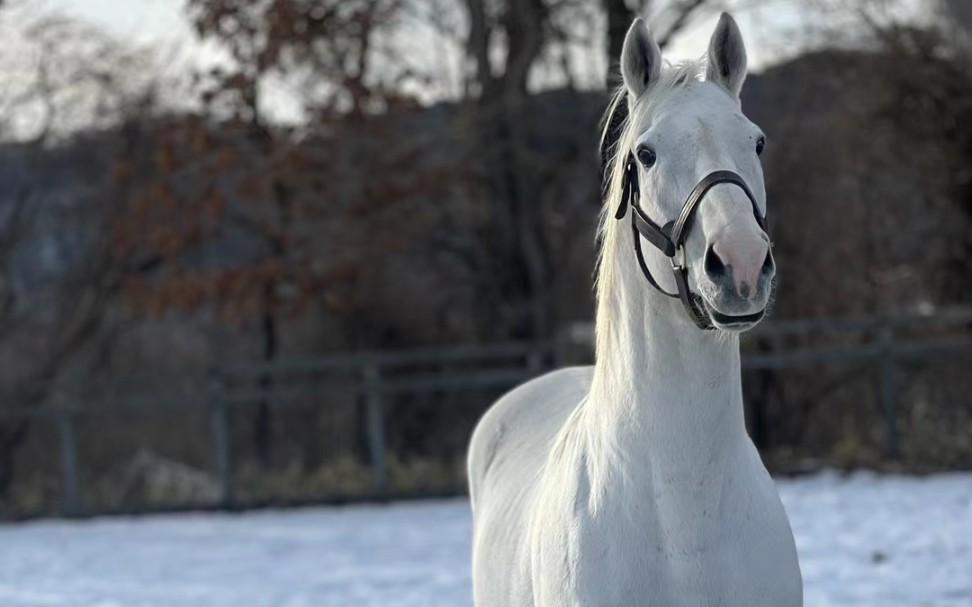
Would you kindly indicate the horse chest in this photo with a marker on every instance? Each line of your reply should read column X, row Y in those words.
column 712, row 547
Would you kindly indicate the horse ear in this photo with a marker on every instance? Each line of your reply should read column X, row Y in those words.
column 640, row 59
column 727, row 56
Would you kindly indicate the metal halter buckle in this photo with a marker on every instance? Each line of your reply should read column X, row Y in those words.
column 679, row 252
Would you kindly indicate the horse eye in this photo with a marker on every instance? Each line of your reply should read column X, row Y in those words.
column 759, row 145
column 646, row 157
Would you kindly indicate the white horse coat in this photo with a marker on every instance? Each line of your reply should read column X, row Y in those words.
column 633, row 483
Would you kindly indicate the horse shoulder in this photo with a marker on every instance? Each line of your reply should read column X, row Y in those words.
column 518, row 429
column 506, row 460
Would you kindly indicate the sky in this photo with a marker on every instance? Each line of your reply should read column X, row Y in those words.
column 140, row 20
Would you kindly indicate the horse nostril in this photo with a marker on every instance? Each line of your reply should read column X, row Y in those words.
column 714, row 266
column 768, row 264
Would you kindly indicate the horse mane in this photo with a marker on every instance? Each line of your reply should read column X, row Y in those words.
column 621, row 125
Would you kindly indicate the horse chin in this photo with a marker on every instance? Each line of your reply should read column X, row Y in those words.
column 733, row 323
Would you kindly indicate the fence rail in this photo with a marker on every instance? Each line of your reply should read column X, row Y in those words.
column 376, row 376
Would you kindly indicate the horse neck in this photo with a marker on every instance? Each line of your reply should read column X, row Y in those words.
column 663, row 392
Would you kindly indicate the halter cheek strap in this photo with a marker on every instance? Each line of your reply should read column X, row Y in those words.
column 670, row 238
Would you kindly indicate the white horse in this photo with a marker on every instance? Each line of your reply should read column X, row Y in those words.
column 634, row 483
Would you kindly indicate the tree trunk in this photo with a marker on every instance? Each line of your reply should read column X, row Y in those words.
column 619, row 18
column 477, row 49
column 505, row 123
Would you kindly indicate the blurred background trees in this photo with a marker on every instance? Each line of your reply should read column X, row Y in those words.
column 385, row 174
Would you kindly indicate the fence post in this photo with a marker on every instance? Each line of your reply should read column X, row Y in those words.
column 375, row 413
column 222, row 447
column 67, row 425
column 534, row 360
column 888, row 389
column 760, row 381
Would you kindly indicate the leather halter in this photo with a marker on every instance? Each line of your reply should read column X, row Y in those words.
column 670, row 238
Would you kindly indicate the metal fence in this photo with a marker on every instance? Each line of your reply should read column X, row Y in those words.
column 376, row 378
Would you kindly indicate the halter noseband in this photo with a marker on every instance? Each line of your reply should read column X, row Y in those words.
column 670, row 238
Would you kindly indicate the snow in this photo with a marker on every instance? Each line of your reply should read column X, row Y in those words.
column 864, row 540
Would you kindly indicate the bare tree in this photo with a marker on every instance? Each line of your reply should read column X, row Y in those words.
column 80, row 79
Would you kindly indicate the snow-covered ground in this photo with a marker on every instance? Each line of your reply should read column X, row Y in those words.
column 864, row 541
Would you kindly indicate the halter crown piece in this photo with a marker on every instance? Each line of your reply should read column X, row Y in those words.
column 670, row 238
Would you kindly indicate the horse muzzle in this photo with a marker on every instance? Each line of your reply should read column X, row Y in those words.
column 737, row 278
